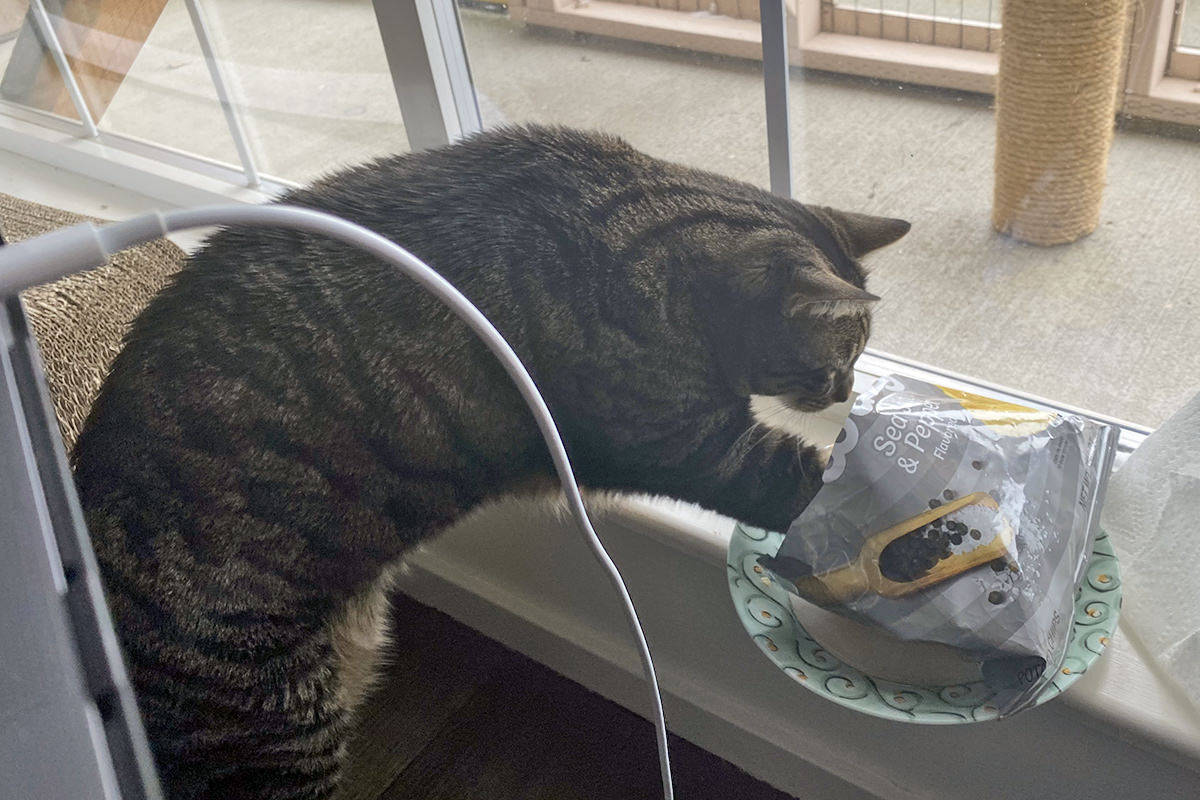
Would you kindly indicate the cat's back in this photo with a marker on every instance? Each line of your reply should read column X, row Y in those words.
column 517, row 169
column 461, row 208
column 264, row 326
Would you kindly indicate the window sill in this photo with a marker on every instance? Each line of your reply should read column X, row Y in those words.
column 906, row 62
column 521, row 574
column 1171, row 100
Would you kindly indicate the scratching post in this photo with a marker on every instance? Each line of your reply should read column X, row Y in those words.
column 1055, row 108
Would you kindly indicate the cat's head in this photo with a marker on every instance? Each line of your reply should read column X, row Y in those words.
column 799, row 314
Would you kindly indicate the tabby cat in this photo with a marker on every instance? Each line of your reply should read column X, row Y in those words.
column 290, row 416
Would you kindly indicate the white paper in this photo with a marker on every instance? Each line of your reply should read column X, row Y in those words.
column 1152, row 515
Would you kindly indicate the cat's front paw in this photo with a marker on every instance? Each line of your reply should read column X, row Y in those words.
column 778, row 485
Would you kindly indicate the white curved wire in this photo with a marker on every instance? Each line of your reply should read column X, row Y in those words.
column 70, row 250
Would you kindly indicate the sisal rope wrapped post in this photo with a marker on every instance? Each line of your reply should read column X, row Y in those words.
column 1055, row 107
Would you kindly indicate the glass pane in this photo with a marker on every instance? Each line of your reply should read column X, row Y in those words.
column 1189, row 25
column 695, row 108
column 978, row 10
column 312, row 82
column 1108, row 323
column 167, row 98
column 1104, row 323
column 965, row 10
column 12, row 15
column 117, row 55
column 308, row 78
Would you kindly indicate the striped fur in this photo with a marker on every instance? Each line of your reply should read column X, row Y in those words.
column 289, row 417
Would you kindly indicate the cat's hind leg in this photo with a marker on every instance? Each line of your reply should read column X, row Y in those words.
column 282, row 736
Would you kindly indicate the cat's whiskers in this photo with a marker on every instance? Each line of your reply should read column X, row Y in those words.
column 742, row 443
column 746, row 442
column 777, row 409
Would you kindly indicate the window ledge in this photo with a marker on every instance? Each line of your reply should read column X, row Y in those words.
column 907, row 62
column 1171, row 99
column 521, row 574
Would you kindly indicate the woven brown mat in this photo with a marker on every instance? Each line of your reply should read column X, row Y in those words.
column 81, row 320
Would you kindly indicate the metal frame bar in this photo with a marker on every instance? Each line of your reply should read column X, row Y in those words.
column 458, row 69
column 775, row 85
column 96, row 740
column 232, row 116
column 46, row 28
column 1179, row 54
column 171, row 156
column 427, row 58
column 878, row 362
column 166, row 174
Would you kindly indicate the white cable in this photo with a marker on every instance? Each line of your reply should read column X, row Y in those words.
column 85, row 246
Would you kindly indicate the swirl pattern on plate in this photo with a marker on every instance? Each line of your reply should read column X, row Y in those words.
column 766, row 614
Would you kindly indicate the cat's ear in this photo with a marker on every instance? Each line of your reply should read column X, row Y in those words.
column 814, row 290
column 861, row 233
column 769, row 264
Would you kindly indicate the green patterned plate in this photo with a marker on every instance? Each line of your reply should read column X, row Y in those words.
column 765, row 612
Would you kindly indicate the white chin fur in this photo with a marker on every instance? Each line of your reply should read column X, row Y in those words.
column 774, row 412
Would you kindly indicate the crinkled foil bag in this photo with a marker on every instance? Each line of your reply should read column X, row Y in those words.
column 1032, row 481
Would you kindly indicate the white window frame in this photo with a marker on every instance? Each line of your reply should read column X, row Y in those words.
column 830, row 44
column 1150, row 91
column 940, row 30
column 819, row 47
column 423, row 44
column 1162, row 81
column 149, row 168
column 1184, row 61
